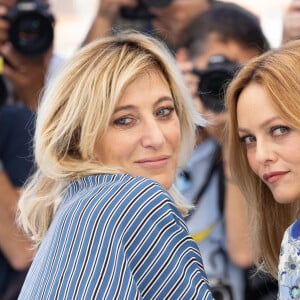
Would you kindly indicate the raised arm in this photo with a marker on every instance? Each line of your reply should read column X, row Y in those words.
column 106, row 16
column 13, row 244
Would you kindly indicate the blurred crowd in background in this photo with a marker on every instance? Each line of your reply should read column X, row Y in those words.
column 74, row 17
column 205, row 51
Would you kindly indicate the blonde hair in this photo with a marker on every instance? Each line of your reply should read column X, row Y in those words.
column 278, row 71
column 76, row 110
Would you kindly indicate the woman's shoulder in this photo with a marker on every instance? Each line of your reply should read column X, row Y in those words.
column 292, row 234
column 115, row 190
column 116, row 201
column 141, row 183
column 295, row 230
column 120, row 182
column 130, row 189
column 289, row 262
column 290, row 246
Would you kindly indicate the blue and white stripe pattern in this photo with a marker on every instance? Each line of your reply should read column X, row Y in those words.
column 117, row 237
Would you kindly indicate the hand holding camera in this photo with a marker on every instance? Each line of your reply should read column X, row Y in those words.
column 27, row 76
column 110, row 9
column 26, row 39
column 214, row 80
column 207, row 87
column 31, row 28
column 4, row 25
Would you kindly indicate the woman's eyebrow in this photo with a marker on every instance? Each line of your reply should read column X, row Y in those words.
column 262, row 125
column 242, row 130
column 164, row 98
column 125, row 107
column 131, row 106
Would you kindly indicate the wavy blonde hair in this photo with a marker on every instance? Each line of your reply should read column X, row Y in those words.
column 76, row 110
column 278, row 71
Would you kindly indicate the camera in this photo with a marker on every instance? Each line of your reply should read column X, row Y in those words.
column 221, row 289
column 31, row 32
column 31, row 29
column 214, row 80
column 141, row 11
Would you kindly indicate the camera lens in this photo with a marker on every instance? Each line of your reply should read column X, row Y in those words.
column 31, row 31
column 212, row 89
column 214, row 80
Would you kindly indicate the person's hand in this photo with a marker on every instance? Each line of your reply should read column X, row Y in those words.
column 172, row 20
column 27, row 75
column 291, row 22
column 4, row 25
column 186, row 67
column 110, row 9
column 216, row 128
column 106, row 17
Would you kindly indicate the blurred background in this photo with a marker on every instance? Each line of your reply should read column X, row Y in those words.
column 73, row 18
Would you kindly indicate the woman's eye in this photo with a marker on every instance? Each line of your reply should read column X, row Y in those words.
column 248, row 139
column 124, row 121
column 165, row 111
column 279, row 130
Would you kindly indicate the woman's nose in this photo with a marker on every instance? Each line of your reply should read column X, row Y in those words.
column 264, row 152
column 152, row 135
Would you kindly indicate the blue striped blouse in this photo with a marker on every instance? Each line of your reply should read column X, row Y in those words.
column 116, row 237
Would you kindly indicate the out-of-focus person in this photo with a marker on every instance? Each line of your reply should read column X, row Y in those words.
column 291, row 22
column 165, row 19
column 28, row 62
column 218, row 43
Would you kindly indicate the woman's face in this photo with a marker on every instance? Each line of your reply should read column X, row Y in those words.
column 272, row 146
column 143, row 136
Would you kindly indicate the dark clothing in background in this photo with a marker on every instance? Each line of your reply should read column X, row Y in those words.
column 17, row 124
column 16, row 133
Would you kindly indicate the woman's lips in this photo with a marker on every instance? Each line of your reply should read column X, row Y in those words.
column 274, row 176
column 154, row 162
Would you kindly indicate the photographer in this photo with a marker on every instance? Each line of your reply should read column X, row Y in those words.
column 217, row 43
column 166, row 19
column 26, row 70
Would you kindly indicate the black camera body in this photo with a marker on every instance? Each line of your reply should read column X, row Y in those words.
column 141, row 11
column 31, row 29
column 221, row 289
column 214, row 80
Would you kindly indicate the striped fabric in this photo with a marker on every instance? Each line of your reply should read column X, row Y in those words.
column 116, row 237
